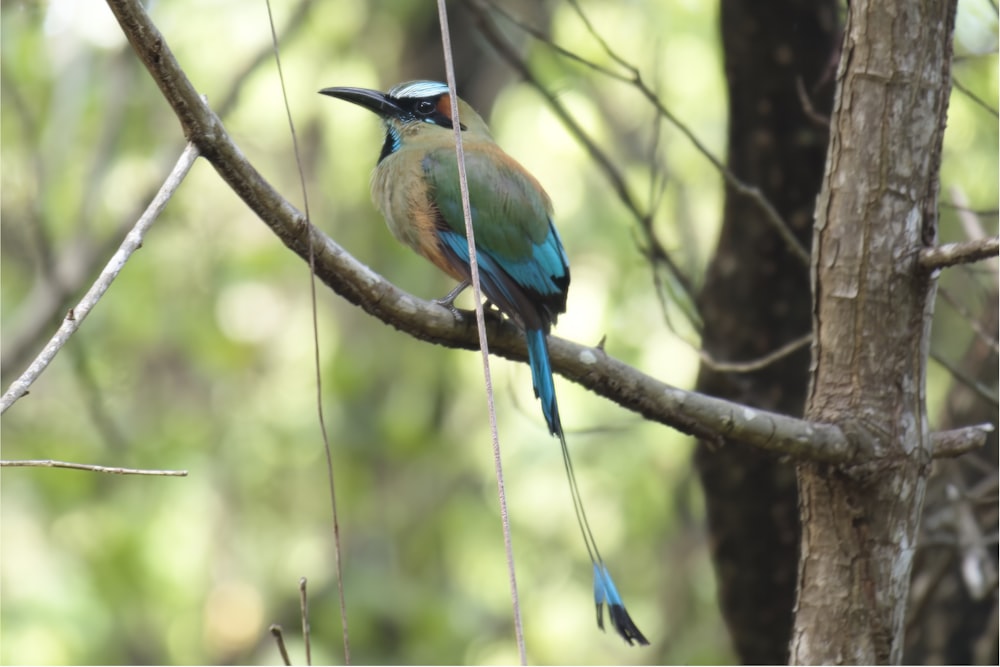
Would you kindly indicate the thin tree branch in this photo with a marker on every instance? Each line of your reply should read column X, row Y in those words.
column 984, row 392
column 949, row 444
column 49, row 463
column 304, row 613
column 51, row 295
column 634, row 78
column 975, row 98
column 296, row 21
column 818, row 119
column 503, row 47
column 963, row 252
column 970, row 219
column 132, row 242
column 984, row 336
column 279, row 639
column 756, row 364
column 301, row 12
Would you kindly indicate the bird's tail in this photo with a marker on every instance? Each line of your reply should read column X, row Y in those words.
column 604, row 587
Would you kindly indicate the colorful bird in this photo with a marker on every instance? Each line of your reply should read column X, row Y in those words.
column 523, row 268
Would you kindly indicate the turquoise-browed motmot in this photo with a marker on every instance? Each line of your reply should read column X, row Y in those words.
column 523, row 268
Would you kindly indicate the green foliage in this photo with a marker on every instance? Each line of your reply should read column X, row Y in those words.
column 200, row 357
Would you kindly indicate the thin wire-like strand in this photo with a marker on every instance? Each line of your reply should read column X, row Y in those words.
column 316, row 362
column 481, row 326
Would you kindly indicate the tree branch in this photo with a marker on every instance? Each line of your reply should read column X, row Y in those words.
column 949, row 444
column 656, row 250
column 964, row 252
column 70, row 269
column 696, row 414
column 49, row 463
column 633, row 78
column 73, row 319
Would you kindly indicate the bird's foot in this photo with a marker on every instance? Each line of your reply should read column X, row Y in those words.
column 448, row 301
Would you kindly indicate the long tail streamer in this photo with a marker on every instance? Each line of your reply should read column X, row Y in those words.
column 605, row 591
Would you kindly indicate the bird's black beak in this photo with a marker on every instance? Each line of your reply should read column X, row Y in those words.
column 372, row 100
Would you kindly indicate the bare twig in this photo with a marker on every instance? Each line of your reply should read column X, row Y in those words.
column 76, row 262
column 104, row 421
column 949, row 444
column 977, row 327
column 975, row 98
column 304, row 613
column 756, row 364
column 72, row 321
column 296, row 22
column 600, row 39
column 302, row 10
column 49, row 463
column 971, row 224
column 617, row 181
column 279, row 639
column 975, row 212
column 634, row 79
column 984, row 392
column 978, row 572
column 963, row 252
column 816, row 117
column 925, row 586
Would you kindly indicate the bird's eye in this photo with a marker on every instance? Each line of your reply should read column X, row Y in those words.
column 425, row 107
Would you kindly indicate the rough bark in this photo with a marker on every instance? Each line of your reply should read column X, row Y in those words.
column 871, row 322
column 756, row 298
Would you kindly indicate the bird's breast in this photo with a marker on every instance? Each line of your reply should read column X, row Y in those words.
column 401, row 193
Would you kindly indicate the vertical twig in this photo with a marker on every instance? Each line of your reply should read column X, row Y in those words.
column 279, row 639
column 338, row 565
column 481, row 326
column 304, row 611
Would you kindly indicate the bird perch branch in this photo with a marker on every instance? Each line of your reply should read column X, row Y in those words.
column 696, row 414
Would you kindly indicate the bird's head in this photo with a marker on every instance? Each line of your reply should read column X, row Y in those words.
column 411, row 111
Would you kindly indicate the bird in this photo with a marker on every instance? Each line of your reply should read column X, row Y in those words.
column 523, row 267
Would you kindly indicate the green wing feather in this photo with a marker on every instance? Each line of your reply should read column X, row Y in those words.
column 510, row 212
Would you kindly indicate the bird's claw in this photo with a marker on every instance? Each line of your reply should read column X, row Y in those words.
column 448, row 301
column 450, row 306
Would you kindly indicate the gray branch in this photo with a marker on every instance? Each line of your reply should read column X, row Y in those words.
column 964, row 252
column 76, row 315
column 702, row 416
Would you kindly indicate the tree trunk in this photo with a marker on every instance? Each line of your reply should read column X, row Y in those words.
column 871, row 321
column 756, row 298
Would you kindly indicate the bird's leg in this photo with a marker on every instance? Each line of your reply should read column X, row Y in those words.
column 449, row 300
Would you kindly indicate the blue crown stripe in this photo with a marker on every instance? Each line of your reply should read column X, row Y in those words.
column 418, row 89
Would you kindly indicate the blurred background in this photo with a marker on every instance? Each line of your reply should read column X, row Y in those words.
column 200, row 357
